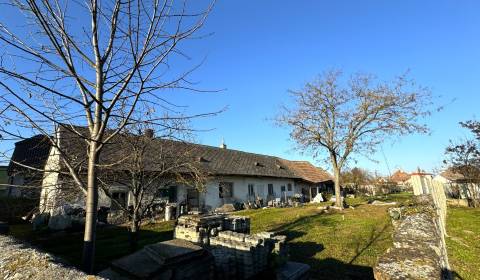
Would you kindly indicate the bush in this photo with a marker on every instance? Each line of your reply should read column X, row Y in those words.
column 326, row 196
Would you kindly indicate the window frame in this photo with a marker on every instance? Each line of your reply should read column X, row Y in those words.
column 221, row 189
column 270, row 190
column 251, row 190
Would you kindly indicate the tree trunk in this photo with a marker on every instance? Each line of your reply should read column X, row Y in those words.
column 135, row 223
column 336, row 174
column 91, row 210
column 338, row 197
column 134, row 231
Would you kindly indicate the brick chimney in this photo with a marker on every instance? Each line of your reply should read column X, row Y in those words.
column 149, row 133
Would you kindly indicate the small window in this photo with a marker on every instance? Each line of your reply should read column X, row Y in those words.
column 121, row 200
column 270, row 189
column 251, row 191
column 169, row 194
column 289, row 187
column 282, row 188
column 225, row 190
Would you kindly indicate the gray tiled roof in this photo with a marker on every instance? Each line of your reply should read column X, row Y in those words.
column 214, row 160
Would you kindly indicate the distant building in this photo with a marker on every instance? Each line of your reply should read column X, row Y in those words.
column 400, row 177
column 457, row 185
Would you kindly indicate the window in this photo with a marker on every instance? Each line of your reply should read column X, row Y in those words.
column 282, row 188
column 169, row 194
column 289, row 187
column 225, row 190
column 251, row 191
column 121, row 200
column 270, row 189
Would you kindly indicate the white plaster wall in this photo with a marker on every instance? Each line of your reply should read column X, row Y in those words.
column 421, row 184
column 240, row 189
column 50, row 182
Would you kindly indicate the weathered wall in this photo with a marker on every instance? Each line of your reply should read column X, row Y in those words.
column 240, row 188
column 419, row 250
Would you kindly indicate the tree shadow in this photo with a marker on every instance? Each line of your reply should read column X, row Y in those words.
column 112, row 242
column 331, row 268
column 450, row 275
column 374, row 236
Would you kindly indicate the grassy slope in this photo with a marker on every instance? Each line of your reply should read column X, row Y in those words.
column 463, row 243
column 339, row 245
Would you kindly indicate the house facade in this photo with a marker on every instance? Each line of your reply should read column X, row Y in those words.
column 457, row 186
column 232, row 176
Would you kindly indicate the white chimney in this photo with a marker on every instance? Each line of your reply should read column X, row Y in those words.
column 223, row 145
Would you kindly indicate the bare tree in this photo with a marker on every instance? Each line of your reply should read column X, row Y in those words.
column 356, row 177
column 464, row 158
column 339, row 118
column 80, row 63
column 147, row 164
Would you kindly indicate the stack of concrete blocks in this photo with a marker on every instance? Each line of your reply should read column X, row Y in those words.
column 238, row 254
column 237, row 224
column 198, row 229
column 242, row 256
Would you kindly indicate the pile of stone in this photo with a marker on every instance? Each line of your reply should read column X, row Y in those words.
column 419, row 250
column 170, row 260
column 242, row 256
column 199, row 228
column 19, row 260
column 61, row 218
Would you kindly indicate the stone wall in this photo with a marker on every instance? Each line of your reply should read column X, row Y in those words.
column 22, row 261
column 419, row 250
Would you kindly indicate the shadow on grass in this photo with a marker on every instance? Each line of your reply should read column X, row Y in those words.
column 112, row 242
column 330, row 268
column 375, row 234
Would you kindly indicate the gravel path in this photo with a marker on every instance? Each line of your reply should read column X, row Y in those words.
column 22, row 261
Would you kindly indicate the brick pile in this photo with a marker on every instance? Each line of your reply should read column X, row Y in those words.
column 198, row 229
column 242, row 256
column 238, row 254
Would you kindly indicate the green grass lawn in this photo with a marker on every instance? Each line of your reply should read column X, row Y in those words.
column 337, row 245
column 463, row 241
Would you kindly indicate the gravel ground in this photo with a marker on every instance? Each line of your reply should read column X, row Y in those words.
column 22, row 261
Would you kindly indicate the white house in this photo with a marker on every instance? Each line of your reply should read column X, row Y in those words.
column 233, row 176
column 457, row 186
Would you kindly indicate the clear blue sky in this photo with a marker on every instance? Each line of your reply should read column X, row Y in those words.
column 260, row 49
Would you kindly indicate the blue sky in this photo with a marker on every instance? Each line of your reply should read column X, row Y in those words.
column 260, row 49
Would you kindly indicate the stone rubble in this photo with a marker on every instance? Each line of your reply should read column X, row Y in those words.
column 418, row 248
column 20, row 261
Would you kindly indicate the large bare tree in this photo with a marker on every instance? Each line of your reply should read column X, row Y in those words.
column 339, row 117
column 145, row 162
column 79, row 63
